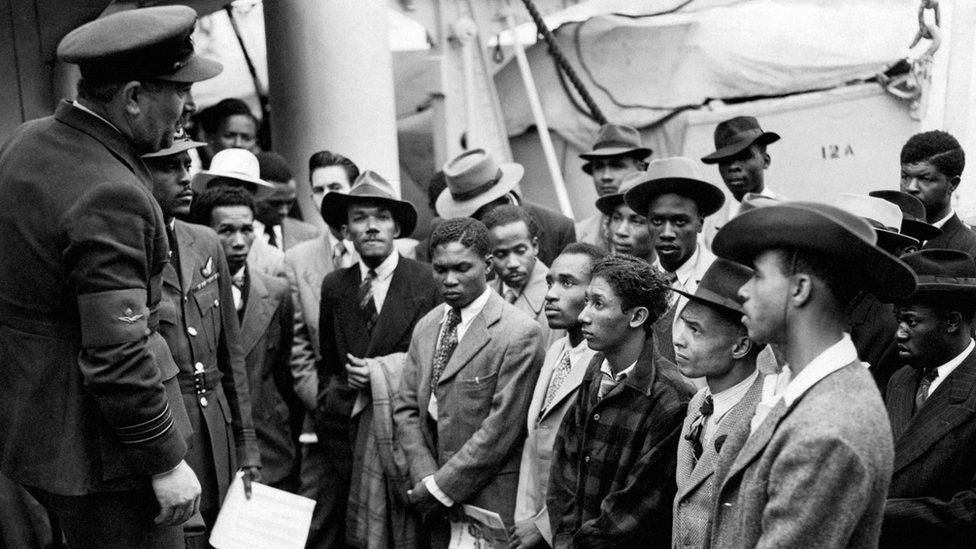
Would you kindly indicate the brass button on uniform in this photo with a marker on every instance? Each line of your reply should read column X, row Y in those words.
column 191, row 330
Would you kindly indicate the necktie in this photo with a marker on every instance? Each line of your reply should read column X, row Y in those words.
column 445, row 346
column 338, row 251
column 558, row 376
column 366, row 302
column 272, row 237
column 694, row 436
column 510, row 295
column 928, row 376
column 174, row 250
column 671, row 279
column 238, row 290
column 607, row 383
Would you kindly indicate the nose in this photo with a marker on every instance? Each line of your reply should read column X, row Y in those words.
column 238, row 240
column 911, row 185
column 584, row 316
column 901, row 334
column 371, row 225
column 184, row 177
column 623, row 229
column 239, row 141
column 680, row 332
column 743, row 292
column 512, row 262
column 450, row 279
column 667, row 231
column 606, row 174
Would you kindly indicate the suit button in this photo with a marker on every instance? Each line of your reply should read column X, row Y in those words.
column 216, row 303
column 191, row 330
column 586, row 459
column 596, row 417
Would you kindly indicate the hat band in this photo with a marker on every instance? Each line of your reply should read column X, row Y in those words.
column 615, row 144
column 477, row 191
column 155, row 61
column 938, row 279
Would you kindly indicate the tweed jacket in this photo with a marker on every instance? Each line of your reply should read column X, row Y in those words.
column 832, row 445
column 932, row 499
column 532, row 300
column 543, row 425
column 956, row 235
column 295, row 231
column 696, row 480
column 198, row 321
column 89, row 400
column 266, row 338
column 612, row 478
column 483, row 397
column 556, row 231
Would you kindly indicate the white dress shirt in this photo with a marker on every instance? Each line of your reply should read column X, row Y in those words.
column 940, row 223
column 689, row 275
column 948, row 367
column 384, row 274
column 723, row 402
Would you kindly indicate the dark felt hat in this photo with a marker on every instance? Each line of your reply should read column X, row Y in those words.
column 819, row 228
column 948, row 273
column 735, row 135
column 913, row 221
column 719, row 286
column 675, row 175
column 369, row 187
column 616, row 140
column 139, row 44
column 607, row 204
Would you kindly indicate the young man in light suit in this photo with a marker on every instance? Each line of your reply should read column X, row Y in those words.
column 555, row 392
column 711, row 342
column 815, row 469
column 466, row 387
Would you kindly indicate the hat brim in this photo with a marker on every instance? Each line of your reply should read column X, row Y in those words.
column 793, row 226
column 176, row 148
column 203, row 178
column 708, row 197
column 607, row 204
column 920, row 229
column 642, row 152
column 447, row 207
column 335, row 210
column 891, row 241
column 764, row 138
column 196, row 69
column 712, row 299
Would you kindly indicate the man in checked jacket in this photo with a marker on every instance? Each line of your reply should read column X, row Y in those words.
column 613, row 473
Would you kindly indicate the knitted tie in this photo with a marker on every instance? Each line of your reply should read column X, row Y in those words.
column 558, row 376
column 445, row 345
column 366, row 302
column 694, row 436
column 928, row 376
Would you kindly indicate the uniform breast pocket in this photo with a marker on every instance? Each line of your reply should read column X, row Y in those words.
column 208, row 304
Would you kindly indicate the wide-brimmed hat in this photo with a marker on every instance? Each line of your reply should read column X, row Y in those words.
column 237, row 164
column 473, row 180
column 820, row 228
column 140, row 44
column 369, row 187
column 946, row 273
column 719, row 286
column 179, row 145
column 913, row 221
column 751, row 201
column 676, row 175
column 883, row 216
column 616, row 140
column 735, row 135
column 607, row 204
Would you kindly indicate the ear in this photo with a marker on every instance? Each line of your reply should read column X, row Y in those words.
column 800, row 289
column 639, row 316
column 766, row 160
column 953, row 322
column 954, row 182
column 535, row 245
column 742, row 347
column 131, row 94
column 489, row 264
column 396, row 230
column 345, row 231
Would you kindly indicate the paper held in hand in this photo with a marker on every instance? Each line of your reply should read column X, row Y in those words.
column 478, row 529
column 271, row 519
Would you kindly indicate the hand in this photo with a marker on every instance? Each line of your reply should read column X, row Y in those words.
column 423, row 501
column 178, row 494
column 251, row 474
column 525, row 535
column 357, row 372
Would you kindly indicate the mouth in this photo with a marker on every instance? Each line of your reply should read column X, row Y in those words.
column 680, row 357
column 667, row 249
column 607, row 189
column 622, row 245
column 451, row 295
column 587, row 335
column 237, row 258
column 514, row 277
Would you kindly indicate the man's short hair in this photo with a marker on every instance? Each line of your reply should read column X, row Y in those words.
column 636, row 283
column 211, row 117
column 324, row 159
column 509, row 213
column 823, row 266
column 938, row 148
column 470, row 233
column 595, row 253
column 274, row 167
column 203, row 205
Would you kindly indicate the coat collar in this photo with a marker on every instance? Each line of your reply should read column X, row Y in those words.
column 119, row 145
column 534, row 293
column 568, row 386
column 258, row 312
column 641, row 378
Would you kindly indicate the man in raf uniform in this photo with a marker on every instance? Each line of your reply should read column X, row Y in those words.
column 203, row 336
column 90, row 415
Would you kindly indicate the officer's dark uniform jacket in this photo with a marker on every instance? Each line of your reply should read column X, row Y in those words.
column 88, row 398
column 198, row 321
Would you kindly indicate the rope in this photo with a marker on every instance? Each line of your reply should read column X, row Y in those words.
column 563, row 63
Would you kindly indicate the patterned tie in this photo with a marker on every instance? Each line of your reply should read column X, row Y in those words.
column 445, row 345
column 670, row 279
column 694, row 436
column 928, row 376
column 558, row 376
column 366, row 302
column 510, row 295
column 607, row 383
column 338, row 251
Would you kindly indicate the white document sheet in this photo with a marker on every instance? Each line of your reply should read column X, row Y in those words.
column 271, row 519
column 480, row 529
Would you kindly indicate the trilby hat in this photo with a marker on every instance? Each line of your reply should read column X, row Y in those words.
column 719, row 286
column 473, row 180
column 946, row 273
column 237, row 164
column 820, row 228
column 676, row 175
column 751, row 201
column 913, row 221
column 616, row 140
column 369, row 187
column 607, row 204
column 145, row 43
column 883, row 216
column 180, row 144
column 735, row 135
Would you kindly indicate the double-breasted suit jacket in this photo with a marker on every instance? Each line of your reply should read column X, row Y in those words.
column 932, row 499
column 89, row 400
column 198, row 321
column 833, row 444
column 266, row 333
column 483, row 397
column 696, row 480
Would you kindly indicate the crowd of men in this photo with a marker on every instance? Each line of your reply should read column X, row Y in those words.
column 693, row 372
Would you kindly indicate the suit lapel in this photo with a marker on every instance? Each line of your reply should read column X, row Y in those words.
column 354, row 327
column 189, row 257
column 901, row 404
column 170, row 278
column 397, row 311
column 570, row 384
column 257, row 314
column 536, row 290
column 475, row 338
column 686, row 456
column 758, row 440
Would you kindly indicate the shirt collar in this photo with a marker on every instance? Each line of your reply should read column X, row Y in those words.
column 727, row 399
column 945, row 219
column 78, row 105
column 472, row 309
column 686, row 269
column 834, row 358
column 385, row 269
column 607, row 371
column 948, row 367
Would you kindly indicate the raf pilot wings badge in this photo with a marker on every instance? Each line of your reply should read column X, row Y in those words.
column 130, row 318
column 207, row 269
column 208, row 273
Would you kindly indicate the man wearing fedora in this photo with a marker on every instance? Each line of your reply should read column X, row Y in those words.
column 90, row 415
column 931, row 404
column 617, row 152
column 913, row 222
column 740, row 153
column 676, row 201
column 819, row 441
column 711, row 342
column 476, row 184
column 287, row 231
column 368, row 311
column 628, row 230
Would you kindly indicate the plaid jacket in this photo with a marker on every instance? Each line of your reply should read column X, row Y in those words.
column 613, row 472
